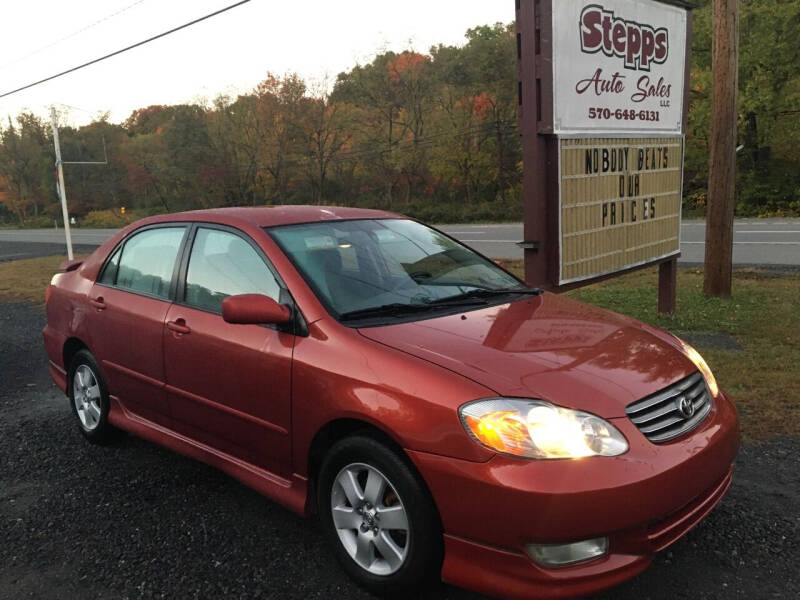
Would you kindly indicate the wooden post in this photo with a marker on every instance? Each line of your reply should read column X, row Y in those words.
column 539, row 146
column 667, row 287
column 668, row 271
column 722, row 158
column 534, row 147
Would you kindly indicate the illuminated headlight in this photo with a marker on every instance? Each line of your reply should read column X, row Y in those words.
column 699, row 362
column 562, row 555
column 536, row 429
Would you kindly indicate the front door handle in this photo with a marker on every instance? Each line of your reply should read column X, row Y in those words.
column 178, row 326
column 98, row 303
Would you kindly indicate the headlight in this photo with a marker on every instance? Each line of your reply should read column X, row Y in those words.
column 536, row 429
column 694, row 356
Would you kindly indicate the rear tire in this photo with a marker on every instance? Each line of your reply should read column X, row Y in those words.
column 379, row 518
column 88, row 397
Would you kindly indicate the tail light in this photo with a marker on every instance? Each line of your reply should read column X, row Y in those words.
column 49, row 289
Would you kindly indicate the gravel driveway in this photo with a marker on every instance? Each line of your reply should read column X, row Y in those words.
column 135, row 521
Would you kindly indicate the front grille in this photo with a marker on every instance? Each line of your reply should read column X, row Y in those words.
column 673, row 411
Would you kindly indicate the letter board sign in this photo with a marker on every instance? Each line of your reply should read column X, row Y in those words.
column 620, row 204
column 618, row 67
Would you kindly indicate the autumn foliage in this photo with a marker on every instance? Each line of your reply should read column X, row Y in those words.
column 432, row 135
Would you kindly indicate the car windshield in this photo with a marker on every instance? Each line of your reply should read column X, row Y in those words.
column 390, row 267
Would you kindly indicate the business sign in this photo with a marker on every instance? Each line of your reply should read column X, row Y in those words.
column 619, row 204
column 618, row 67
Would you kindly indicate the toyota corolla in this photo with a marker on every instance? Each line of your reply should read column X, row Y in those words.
column 443, row 419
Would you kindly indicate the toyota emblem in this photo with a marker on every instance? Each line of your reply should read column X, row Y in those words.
column 686, row 407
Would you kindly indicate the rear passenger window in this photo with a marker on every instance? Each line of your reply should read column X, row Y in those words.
column 109, row 276
column 148, row 260
column 223, row 264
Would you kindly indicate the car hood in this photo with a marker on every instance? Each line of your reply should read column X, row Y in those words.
column 548, row 347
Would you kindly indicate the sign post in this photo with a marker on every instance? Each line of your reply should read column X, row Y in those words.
column 603, row 104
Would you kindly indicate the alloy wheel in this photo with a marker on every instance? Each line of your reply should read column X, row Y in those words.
column 86, row 396
column 370, row 519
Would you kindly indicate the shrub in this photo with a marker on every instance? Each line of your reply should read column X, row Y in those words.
column 107, row 219
column 40, row 222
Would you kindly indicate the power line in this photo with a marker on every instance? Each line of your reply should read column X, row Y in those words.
column 131, row 47
column 88, row 112
column 70, row 36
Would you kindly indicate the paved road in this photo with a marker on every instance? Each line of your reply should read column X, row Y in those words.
column 756, row 242
column 29, row 243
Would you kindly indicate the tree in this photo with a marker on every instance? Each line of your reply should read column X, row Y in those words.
column 232, row 170
column 769, row 95
column 24, row 162
column 486, row 67
column 280, row 105
column 326, row 128
column 370, row 88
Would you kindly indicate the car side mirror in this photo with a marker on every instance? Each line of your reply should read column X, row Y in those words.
column 254, row 309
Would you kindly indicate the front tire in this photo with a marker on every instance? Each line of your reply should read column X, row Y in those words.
column 379, row 517
column 88, row 396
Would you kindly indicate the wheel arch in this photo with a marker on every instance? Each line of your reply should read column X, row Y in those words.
column 339, row 429
column 72, row 346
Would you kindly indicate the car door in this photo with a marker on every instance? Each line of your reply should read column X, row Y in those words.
column 129, row 304
column 229, row 386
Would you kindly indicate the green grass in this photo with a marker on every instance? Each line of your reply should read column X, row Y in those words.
column 26, row 280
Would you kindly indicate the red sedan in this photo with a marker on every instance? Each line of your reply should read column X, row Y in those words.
column 443, row 419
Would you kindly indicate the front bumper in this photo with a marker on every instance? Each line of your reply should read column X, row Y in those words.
column 643, row 501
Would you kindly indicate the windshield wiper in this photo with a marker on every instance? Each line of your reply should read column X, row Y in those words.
column 474, row 297
column 398, row 309
column 479, row 293
column 385, row 310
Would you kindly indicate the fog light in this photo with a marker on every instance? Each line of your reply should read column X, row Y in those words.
column 560, row 555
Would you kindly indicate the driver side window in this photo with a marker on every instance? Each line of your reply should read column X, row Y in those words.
column 223, row 264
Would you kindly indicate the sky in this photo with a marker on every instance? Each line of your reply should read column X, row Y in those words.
column 228, row 54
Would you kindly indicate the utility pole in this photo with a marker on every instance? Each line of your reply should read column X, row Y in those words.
column 60, row 170
column 722, row 157
column 61, row 191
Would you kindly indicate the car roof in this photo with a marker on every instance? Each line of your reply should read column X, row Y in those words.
column 269, row 216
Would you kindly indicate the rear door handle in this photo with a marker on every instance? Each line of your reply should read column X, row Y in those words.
column 178, row 326
column 98, row 303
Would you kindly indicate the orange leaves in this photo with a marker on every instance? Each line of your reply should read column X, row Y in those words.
column 407, row 62
column 270, row 86
column 479, row 105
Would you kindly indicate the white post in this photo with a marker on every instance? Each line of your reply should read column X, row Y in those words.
column 61, row 191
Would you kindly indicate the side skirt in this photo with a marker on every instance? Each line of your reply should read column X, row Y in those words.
column 290, row 493
column 59, row 376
